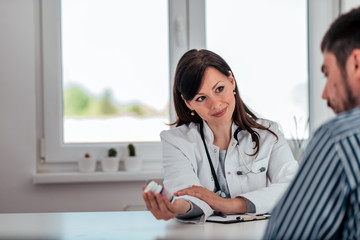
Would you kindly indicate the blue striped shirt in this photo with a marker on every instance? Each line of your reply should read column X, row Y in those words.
column 323, row 200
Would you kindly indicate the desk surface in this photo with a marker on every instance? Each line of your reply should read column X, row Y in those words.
column 118, row 225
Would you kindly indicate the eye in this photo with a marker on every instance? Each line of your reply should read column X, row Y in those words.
column 219, row 89
column 200, row 99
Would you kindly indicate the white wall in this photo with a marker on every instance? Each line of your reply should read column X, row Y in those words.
column 20, row 123
column 321, row 14
column 21, row 120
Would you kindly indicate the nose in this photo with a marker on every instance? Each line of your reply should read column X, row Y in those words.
column 324, row 94
column 214, row 103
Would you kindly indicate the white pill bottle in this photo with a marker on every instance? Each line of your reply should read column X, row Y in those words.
column 156, row 188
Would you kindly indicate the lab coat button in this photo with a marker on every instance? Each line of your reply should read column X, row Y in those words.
column 215, row 150
column 229, row 173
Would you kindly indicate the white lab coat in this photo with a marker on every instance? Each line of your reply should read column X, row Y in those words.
column 185, row 164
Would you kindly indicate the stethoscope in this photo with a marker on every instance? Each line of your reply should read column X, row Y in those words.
column 249, row 170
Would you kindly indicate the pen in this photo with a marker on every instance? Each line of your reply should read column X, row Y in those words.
column 264, row 214
column 220, row 214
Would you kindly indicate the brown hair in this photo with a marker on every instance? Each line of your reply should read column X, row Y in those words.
column 343, row 37
column 188, row 78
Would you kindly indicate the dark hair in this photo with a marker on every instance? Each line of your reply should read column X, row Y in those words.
column 188, row 78
column 343, row 37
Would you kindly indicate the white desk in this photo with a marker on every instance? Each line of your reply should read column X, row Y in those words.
column 118, row 225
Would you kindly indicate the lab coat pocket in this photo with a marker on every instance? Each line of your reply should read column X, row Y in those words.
column 260, row 166
column 257, row 178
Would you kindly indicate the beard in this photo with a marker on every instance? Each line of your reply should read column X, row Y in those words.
column 348, row 103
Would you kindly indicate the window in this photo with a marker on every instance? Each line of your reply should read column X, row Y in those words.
column 115, row 70
column 119, row 59
column 266, row 47
column 106, row 76
column 347, row 5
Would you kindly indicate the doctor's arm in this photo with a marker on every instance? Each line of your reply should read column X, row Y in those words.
column 180, row 177
column 219, row 204
column 180, row 170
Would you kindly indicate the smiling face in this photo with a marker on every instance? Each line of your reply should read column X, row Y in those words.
column 215, row 101
column 338, row 90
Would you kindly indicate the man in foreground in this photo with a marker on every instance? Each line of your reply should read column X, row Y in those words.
column 323, row 202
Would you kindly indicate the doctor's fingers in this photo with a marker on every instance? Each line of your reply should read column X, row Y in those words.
column 167, row 210
column 203, row 194
column 150, row 201
column 155, row 205
column 191, row 189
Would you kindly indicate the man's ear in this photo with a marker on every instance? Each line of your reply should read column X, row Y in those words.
column 353, row 70
column 355, row 63
column 187, row 103
column 356, row 53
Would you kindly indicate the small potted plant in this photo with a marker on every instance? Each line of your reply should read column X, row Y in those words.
column 110, row 163
column 87, row 163
column 132, row 161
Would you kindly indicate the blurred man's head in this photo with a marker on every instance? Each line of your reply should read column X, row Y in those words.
column 341, row 49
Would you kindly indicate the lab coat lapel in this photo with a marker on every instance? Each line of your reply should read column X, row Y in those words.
column 213, row 150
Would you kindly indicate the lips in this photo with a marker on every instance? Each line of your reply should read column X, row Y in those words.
column 220, row 113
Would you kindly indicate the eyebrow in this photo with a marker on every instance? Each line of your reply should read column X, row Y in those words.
column 199, row 93
column 215, row 85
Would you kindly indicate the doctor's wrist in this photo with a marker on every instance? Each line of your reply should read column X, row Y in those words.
column 237, row 205
column 183, row 206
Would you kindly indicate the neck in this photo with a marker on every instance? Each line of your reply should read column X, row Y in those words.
column 222, row 135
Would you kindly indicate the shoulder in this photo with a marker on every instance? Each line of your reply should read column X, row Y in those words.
column 334, row 139
column 273, row 126
column 342, row 126
column 264, row 134
column 184, row 132
column 267, row 123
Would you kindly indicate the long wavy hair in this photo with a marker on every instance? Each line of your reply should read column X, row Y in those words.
column 188, row 78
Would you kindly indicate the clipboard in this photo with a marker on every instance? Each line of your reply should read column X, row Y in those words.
column 236, row 218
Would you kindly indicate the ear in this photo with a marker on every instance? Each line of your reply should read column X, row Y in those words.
column 353, row 65
column 232, row 79
column 356, row 62
column 353, row 70
column 187, row 103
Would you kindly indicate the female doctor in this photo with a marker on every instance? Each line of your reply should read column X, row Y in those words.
column 220, row 157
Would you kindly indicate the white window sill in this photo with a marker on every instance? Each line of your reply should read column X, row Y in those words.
column 80, row 177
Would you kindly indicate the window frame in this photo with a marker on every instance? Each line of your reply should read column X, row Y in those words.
column 53, row 150
column 186, row 31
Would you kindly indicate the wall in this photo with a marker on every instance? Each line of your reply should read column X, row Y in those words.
column 20, row 122
column 321, row 14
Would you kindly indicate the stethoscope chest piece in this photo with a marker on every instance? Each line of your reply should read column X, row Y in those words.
column 260, row 170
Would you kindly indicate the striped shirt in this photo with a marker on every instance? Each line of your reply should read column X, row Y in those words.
column 323, row 201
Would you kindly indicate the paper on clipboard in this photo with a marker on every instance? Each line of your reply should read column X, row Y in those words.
column 234, row 218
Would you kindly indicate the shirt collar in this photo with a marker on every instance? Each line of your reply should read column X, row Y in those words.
column 209, row 136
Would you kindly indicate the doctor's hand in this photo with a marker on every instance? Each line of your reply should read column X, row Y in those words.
column 224, row 205
column 162, row 208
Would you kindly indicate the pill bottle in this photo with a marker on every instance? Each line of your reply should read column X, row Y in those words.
column 156, row 188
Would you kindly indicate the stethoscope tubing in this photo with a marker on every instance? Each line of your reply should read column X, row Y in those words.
column 217, row 185
column 250, row 170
